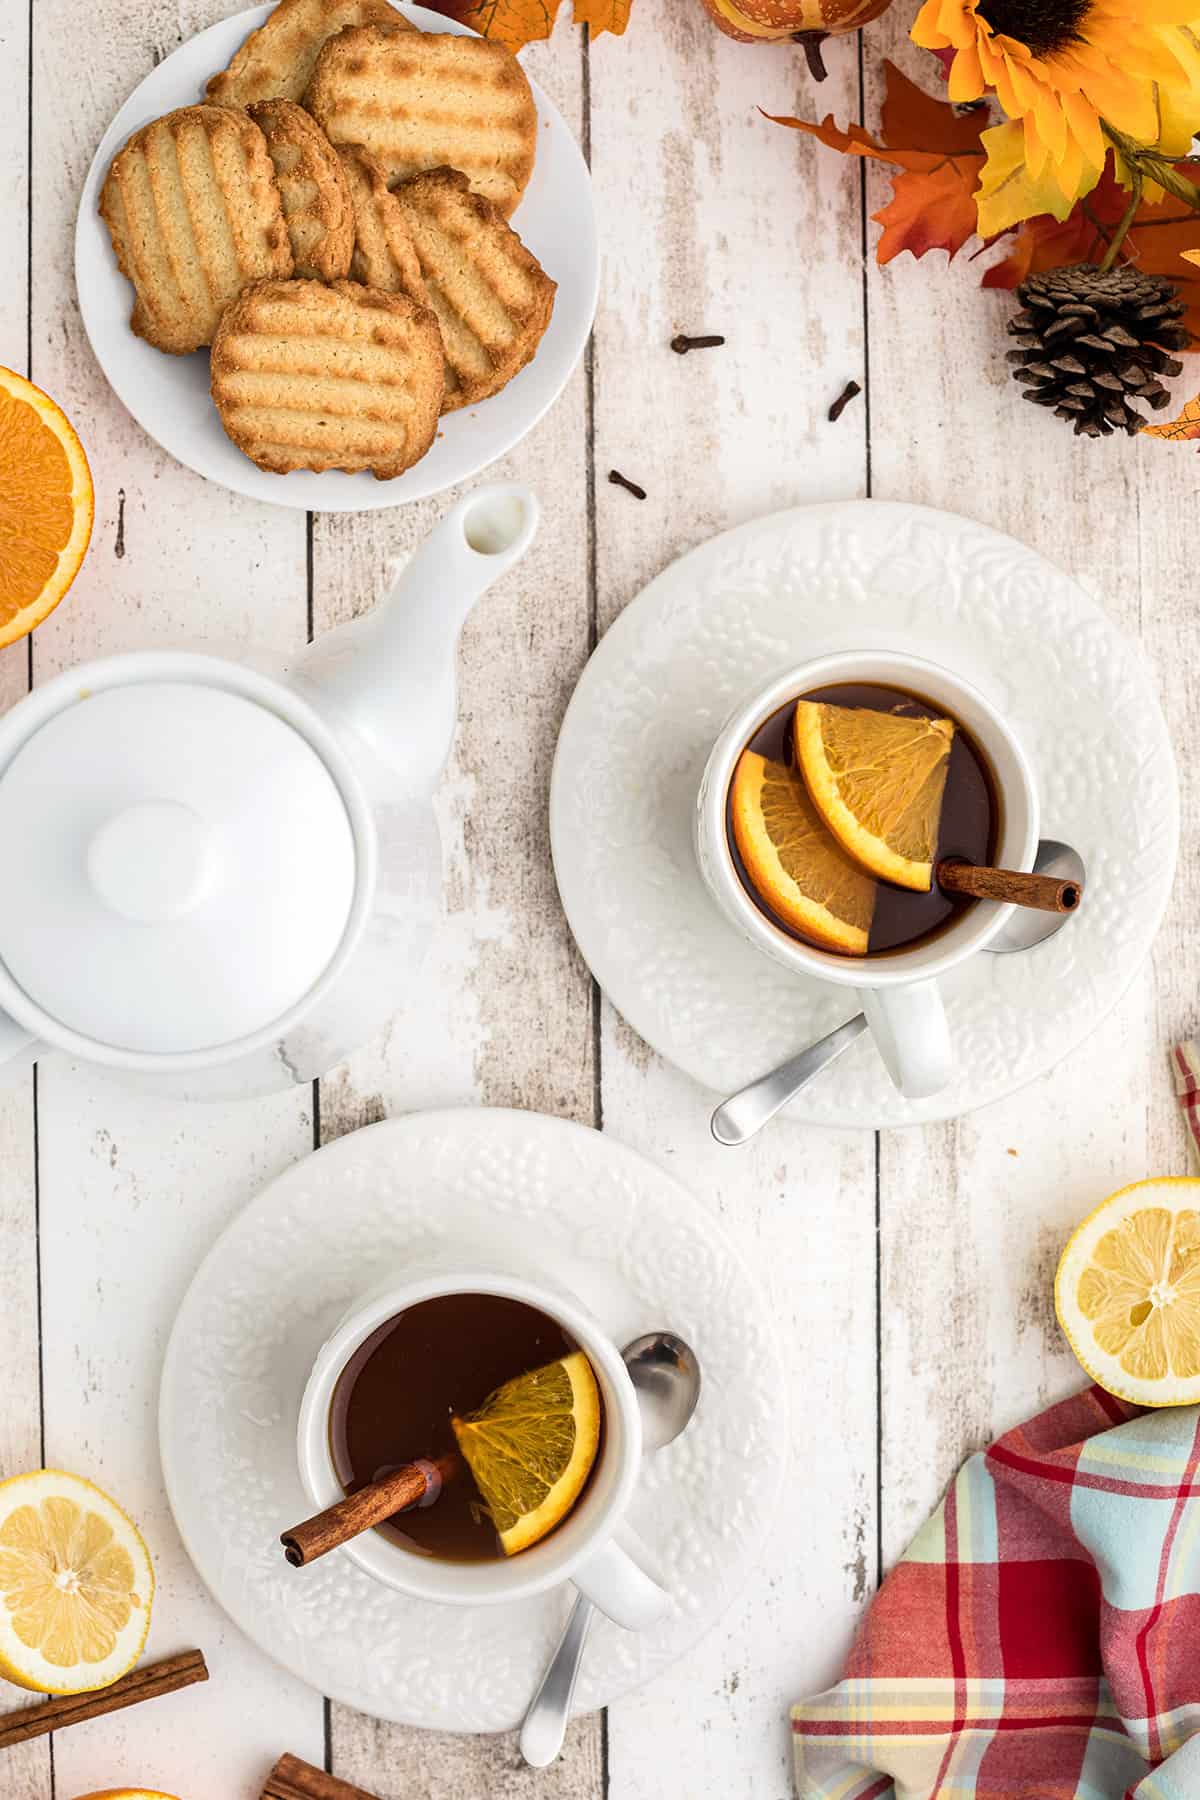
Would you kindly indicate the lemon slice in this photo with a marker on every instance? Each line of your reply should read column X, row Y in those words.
column 1127, row 1292
column 877, row 780
column 794, row 865
column 76, row 1585
column 531, row 1446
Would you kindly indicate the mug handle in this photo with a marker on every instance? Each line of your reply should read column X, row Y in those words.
column 613, row 1581
column 909, row 1027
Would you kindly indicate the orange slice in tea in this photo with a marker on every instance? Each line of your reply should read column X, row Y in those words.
column 530, row 1448
column 45, row 505
column 1127, row 1292
column 877, row 780
column 795, row 866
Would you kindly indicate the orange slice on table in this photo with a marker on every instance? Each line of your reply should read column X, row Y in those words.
column 46, row 505
column 795, row 866
column 877, row 780
column 1127, row 1292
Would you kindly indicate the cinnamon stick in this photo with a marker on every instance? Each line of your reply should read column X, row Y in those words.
column 413, row 1484
column 292, row 1779
column 1009, row 885
column 147, row 1683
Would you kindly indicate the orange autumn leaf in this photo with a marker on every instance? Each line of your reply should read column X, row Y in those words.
column 940, row 158
column 1187, row 425
column 516, row 23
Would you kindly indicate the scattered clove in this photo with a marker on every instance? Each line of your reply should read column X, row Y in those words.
column 843, row 400
column 631, row 487
column 681, row 344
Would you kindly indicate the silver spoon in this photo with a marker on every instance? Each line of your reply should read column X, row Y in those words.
column 737, row 1119
column 666, row 1374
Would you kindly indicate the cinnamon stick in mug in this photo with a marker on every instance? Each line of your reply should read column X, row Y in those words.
column 413, row 1484
column 1012, row 886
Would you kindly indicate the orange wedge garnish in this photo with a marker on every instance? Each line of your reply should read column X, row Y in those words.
column 795, row 866
column 876, row 780
column 46, row 504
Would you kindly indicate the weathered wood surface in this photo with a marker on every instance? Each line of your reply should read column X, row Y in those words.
column 712, row 220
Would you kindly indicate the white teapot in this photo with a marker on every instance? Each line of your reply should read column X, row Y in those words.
column 221, row 881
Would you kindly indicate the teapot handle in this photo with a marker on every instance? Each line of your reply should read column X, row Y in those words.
column 18, row 1047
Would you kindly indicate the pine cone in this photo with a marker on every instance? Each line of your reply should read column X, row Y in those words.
column 1091, row 344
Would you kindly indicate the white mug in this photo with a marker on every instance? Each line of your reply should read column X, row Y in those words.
column 582, row 1549
column 899, row 991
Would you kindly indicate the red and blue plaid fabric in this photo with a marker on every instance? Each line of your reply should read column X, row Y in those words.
column 1041, row 1638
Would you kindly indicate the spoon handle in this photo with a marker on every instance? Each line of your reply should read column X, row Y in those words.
column 738, row 1118
column 550, row 1709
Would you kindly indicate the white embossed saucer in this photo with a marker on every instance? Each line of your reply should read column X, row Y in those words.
column 856, row 575
column 632, row 1244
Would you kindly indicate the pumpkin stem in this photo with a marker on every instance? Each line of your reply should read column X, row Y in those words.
column 812, row 41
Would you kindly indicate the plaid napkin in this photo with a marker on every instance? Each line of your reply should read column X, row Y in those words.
column 1041, row 1638
column 1185, row 1063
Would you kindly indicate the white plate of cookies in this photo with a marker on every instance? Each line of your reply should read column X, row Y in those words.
column 337, row 254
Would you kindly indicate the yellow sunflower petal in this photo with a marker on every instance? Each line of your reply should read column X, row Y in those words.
column 1116, row 96
column 1178, row 122
column 1025, row 84
column 1051, row 123
column 1068, row 172
column 1084, row 125
column 1036, row 151
column 965, row 81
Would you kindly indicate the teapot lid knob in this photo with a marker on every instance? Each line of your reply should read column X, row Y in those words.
column 152, row 862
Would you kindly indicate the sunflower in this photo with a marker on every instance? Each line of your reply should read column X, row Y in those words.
column 1064, row 69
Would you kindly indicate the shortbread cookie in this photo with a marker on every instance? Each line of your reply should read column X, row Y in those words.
column 276, row 61
column 343, row 377
column 195, row 214
column 492, row 298
column 426, row 100
column 313, row 187
column 383, row 257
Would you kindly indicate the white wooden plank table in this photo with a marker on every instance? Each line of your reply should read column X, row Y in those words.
column 911, row 1273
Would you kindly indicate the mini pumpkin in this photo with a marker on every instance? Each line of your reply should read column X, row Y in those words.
column 806, row 22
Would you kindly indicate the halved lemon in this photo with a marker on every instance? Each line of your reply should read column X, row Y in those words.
column 1127, row 1292
column 530, row 1448
column 127, row 1794
column 877, row 780
column 46, row 505
column 76, row 1585
column 793, row 862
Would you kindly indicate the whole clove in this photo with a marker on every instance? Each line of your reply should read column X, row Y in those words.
column 843, row 400
column 631, row 487
column 681, row 344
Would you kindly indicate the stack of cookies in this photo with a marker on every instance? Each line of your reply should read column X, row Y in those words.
column 333, row 221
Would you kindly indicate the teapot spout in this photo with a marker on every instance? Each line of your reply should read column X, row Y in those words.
column 391, row 676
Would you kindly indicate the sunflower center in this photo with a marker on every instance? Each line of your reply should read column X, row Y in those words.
column 1043, row 26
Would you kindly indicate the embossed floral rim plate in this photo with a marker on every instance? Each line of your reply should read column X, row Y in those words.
column 168, row 395
column 627, row 1239
column 856, row 575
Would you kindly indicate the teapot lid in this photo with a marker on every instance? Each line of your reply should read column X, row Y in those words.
column 183, row 863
